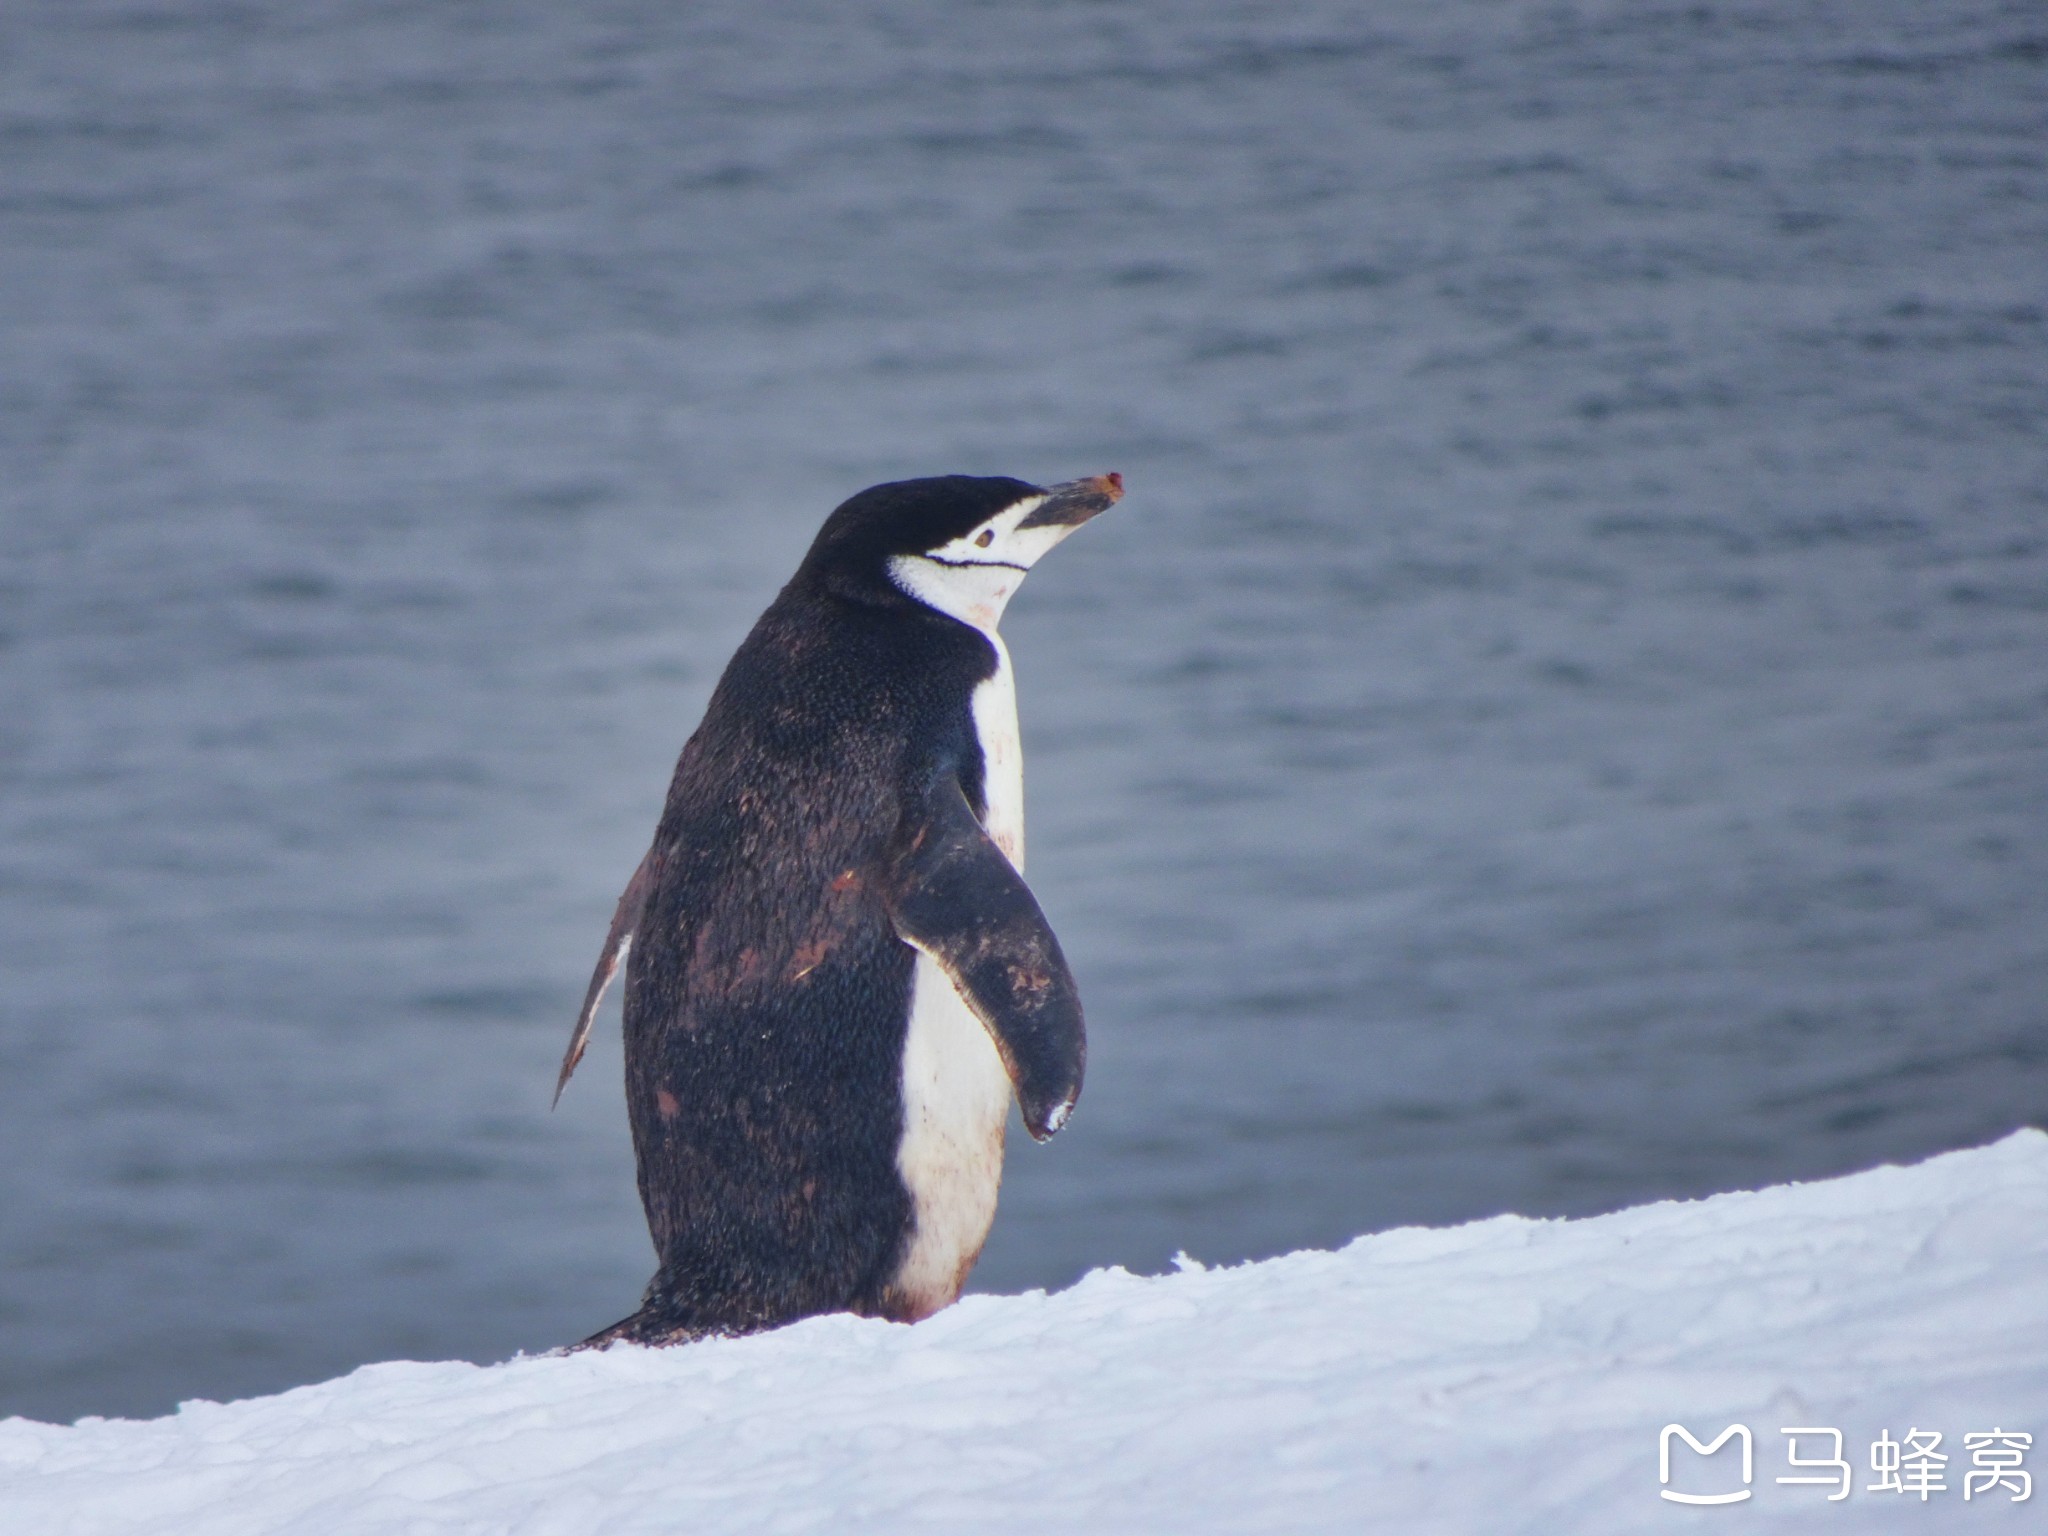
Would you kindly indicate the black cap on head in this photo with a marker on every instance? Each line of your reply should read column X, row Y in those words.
column 908, row 517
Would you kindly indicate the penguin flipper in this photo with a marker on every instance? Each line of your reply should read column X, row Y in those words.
column 956, row 897
column 625, row 922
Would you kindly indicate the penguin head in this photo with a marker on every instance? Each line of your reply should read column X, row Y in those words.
column 957, row 544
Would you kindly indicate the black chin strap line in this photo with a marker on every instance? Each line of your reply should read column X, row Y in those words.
column 976, row 565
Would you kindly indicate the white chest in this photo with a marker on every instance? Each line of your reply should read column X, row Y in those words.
column 994, row 708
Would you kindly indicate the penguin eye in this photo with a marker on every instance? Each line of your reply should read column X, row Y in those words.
column 983, row 539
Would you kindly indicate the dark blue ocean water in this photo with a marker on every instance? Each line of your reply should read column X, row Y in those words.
column 1561, row 718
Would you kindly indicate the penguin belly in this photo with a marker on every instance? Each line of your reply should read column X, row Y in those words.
column 956, row 1098
column 993, row 708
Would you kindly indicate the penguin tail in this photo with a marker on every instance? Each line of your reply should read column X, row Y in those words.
column 652, row 1326
column 662, row 1319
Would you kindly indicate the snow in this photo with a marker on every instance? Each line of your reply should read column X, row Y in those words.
column 1508, row 1375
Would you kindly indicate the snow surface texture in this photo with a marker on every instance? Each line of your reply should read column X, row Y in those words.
column 1510, row 1375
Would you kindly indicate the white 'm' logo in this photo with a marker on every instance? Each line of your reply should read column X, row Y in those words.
column 1664, row 1463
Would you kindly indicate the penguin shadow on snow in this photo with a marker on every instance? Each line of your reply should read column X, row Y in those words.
column 836, row 977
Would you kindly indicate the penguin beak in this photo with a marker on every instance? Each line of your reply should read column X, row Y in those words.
column 1073, row 502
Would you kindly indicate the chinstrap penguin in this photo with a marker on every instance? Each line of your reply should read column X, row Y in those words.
column 836, row 978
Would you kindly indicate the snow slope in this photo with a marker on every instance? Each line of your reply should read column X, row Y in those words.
column 1510, row 1375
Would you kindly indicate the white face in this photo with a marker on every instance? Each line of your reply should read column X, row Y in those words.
column 973, row 577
